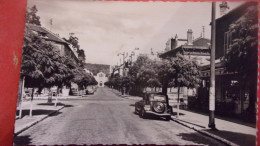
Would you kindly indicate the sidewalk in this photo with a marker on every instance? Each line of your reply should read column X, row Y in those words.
column 41, row 97
column 41, row 110
column 228, row 132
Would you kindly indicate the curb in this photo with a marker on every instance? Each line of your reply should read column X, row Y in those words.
column 206, row 133
column 195, row 129
column 133, row 99
column 125, row 96
column 37, row 121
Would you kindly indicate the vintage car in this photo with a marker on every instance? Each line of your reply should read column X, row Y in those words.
column 153, row 104
column 89, row 90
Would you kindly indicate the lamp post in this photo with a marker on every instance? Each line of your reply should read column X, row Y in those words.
column 212, row 70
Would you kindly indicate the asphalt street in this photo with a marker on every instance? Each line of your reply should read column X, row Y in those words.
column 105, row 118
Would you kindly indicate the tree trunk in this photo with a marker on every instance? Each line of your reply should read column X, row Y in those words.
column 40, row 90
column 164, row 88
column 50, row 96
column 164, row 91
column 31, row 102
column 21, row 98
column 178, row 102
column 56, row 98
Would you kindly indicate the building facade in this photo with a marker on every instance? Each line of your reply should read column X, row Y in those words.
column 64, row 47
column 231, row 93
column 197, row 50
column 101, row 78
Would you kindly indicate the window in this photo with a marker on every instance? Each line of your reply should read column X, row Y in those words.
column 227, row 41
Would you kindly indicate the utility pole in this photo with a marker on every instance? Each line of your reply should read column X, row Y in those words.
column 203, row 31
column 131, row 57
column 212, row 70
column 51, row 23
column 123, row 63
column 123, row 67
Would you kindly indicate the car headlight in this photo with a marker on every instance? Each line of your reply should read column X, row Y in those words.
column 158, row 107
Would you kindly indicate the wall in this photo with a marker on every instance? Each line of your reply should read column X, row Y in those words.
column 223, row 23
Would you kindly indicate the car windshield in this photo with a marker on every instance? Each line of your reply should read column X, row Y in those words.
column 156, row 97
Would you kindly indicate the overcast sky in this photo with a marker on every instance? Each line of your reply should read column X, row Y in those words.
column 106, row 28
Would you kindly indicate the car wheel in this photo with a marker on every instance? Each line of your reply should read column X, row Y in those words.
column 136, row 111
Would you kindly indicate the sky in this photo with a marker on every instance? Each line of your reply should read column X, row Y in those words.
column 106, row 28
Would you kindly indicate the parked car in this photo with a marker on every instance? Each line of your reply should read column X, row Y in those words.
column 95, row 88
column 89, row 91
column 153, row 103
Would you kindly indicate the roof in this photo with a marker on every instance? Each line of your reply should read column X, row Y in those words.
column 238, row 10
column 199, row 43
column 49, row 35
column 202, row 42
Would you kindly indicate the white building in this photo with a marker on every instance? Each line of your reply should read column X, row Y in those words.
column 101, row 78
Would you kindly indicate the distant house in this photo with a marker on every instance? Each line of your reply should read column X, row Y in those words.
column 99, row 71
column 223, row 36
column 64, row 47
column 197, row 49
column 101, row 78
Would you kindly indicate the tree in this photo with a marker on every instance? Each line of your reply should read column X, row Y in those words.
column 179, row 72
column 83, row 79
column 36, row 62
column 75, row 44
column 31, row 16
column 81, row 55
column 143, row 73
column 74, row 41
column 42, row 64
column 186, row 73
column 242, row 57
column 165, row 74
column 127, row 83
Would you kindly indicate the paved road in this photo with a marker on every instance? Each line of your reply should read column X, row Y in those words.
column 105, row 118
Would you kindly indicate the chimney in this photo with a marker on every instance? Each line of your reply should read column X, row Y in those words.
column 189, row 37
column 223, row 8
